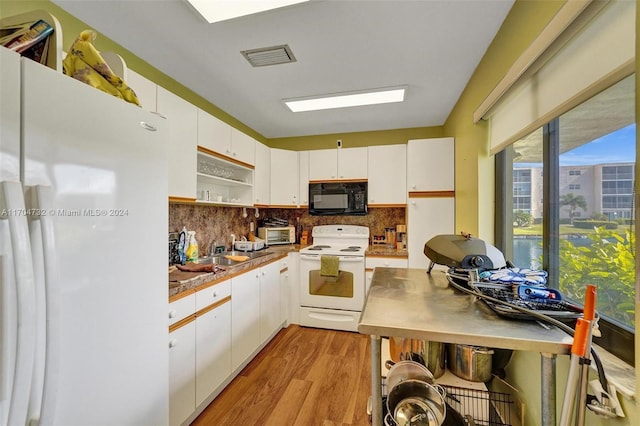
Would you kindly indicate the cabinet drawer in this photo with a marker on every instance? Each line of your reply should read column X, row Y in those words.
column 386, row 262
column 213, row 294
column 182, row 308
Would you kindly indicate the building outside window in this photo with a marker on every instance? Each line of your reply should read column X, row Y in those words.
column 594, row 170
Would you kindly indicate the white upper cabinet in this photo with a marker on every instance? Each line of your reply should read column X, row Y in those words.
column 430, row 164
column 262, row 180
column 182, row 120
column 243, row 147
column 344, row 163
column 352, row 163
column 303, row 164
column 218, row 136
column 387, row 174
column 284, row 178
column 323, row 164
column 213, row 133
column 146, row 90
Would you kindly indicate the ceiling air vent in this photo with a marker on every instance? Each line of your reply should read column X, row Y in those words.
column 269, row 55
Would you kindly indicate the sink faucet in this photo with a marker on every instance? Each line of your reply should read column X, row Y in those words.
column 233, row 241
column 214, row 244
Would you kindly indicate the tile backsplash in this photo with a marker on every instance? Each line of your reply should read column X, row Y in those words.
column 213, row 223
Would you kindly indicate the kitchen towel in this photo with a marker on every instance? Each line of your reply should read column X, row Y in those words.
column 329, row 266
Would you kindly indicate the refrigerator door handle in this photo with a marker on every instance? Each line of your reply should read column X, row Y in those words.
column 14, row 211
column 40, row 199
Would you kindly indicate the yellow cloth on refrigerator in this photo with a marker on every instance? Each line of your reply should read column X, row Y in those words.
column 329, row 266
column 84, row 63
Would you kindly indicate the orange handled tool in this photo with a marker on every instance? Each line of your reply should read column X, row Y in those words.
column 577, row 351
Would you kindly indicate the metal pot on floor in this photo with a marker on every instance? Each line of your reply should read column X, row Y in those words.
column 471, row 363
column 430, row 354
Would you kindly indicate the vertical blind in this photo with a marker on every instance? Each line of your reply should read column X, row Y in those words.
column 598, row 55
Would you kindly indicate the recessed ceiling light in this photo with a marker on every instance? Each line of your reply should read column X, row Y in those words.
column 347, row 99
column 221, row 10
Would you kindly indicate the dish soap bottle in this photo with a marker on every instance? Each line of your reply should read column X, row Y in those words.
column 192, row 248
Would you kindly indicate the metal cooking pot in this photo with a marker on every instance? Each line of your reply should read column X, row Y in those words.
column 416, row 403
column 406, row 370
column 471, row 363
column 430, row 354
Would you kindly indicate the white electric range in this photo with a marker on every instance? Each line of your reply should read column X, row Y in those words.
column 333, row 302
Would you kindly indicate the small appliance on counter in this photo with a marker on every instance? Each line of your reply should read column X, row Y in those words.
column 246, row 245
column 278, row 235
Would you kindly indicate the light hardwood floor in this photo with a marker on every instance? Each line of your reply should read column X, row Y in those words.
column 304, row 376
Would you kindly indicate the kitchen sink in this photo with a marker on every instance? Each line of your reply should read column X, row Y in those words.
column 250, row 254
column 220, row 259
column 217, row 260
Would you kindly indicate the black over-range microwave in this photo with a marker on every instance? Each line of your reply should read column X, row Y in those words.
column 338, row 198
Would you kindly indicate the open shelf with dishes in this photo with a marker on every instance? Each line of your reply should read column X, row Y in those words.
column 223, row 182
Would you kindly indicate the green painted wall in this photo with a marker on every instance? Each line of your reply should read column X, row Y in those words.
column 357, row 139
column 474, row 167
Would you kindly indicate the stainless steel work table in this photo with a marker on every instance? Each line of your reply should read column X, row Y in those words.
column 411, row 303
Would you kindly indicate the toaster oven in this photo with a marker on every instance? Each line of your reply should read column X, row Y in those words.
column 277, row 235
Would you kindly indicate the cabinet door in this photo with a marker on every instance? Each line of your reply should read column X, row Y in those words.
column 269, row 300
column 352, row 163
column 430, row 164
column 213, row 350
column 428, row 217
column 323, row 164
column 284, row 178
column 387, row 174
column 243, row 147
column 303, row 164
column 182, row 373
column 146, row 90
column 182, row 121
column 285, row 291
column 245, row 316
column 262, row 185
column 213, row 133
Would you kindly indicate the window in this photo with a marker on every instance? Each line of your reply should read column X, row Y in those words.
column 587, row 158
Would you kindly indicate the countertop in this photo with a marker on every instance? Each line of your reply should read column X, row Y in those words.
column 277, row 252
column 411, row 303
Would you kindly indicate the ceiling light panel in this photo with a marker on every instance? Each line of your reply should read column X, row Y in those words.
column 222, row 10
column 347, row 99
column 269, row 55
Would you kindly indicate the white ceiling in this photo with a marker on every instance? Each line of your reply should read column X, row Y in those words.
column 432, row 46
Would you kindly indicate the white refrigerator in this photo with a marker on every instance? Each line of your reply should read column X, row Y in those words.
column 83, row 254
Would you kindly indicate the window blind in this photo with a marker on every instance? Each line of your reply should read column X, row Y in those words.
column 598, row 55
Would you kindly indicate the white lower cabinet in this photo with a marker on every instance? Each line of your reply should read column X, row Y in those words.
column 245, row 317
column 270, row 313
column 285, row 291
column 182, row 373
column 214, row 331
column 372, row 263
column 213, row 349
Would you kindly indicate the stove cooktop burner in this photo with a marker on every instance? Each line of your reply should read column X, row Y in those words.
column 352, row 248
column 318, row 247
